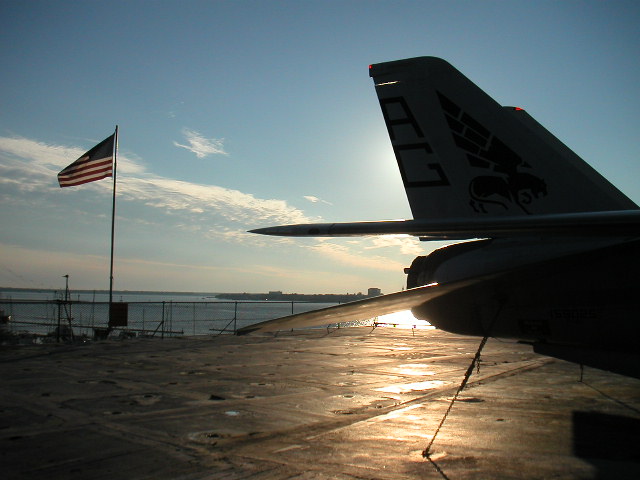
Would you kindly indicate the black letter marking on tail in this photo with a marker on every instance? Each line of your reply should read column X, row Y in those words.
column 412, row 160
column 413, row 153
column 396, row 112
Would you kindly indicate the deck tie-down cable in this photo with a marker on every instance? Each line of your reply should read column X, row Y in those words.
column 474, row 362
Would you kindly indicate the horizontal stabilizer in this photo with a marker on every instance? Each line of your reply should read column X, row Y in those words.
column 361, row 309
column 613, row 223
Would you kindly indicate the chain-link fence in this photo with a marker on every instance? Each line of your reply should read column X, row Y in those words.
column 62, row 319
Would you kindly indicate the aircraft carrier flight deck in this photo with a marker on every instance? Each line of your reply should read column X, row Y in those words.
column 317, row 404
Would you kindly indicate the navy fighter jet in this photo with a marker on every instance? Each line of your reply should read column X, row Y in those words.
column 552, row 249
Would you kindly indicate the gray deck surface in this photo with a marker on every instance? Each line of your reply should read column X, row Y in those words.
column 310, row 405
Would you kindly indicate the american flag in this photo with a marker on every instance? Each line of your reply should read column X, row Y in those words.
column 94, row 165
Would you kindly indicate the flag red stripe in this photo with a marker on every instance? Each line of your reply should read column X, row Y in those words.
column 85, row 163
column 83, row 180
column 86, row 168
column 79, row 176
column 83, row 177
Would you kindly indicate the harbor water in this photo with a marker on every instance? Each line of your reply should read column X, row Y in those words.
column 50, row 312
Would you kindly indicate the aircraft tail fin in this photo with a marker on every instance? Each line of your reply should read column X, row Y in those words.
column 462, row 155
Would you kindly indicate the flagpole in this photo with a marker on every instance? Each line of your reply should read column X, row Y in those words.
column 113, row 219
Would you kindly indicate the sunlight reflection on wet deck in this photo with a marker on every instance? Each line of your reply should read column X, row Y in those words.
column 403, row 319
column 412, row 387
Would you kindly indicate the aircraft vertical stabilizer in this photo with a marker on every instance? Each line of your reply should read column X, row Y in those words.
column 462, row 155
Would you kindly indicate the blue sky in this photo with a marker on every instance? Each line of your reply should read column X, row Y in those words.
column 236, row 115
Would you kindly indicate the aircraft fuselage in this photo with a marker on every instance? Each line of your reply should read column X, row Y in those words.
column 575, row 294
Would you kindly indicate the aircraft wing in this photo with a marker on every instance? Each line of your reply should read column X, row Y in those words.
column 610, row 223
column 362, row 309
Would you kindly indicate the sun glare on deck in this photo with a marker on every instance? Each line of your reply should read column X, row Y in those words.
column 403, row 319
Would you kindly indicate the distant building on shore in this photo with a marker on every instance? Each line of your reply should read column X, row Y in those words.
column 374, row 292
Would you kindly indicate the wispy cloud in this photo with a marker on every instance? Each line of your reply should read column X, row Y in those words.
column 314, row 199
column 30, row 165
column 180, row 196
column 355, row 257
column 201, row 146
column 212, row 212
column 407, row 244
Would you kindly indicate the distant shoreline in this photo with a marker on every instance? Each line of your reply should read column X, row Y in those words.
column 270, row 296
column 295, row 297
column 101, row 291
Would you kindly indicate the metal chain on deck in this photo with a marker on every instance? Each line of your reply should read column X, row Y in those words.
column 476, row 361
column 467, row 375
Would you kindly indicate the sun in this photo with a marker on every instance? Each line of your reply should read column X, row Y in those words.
column 402, row 319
